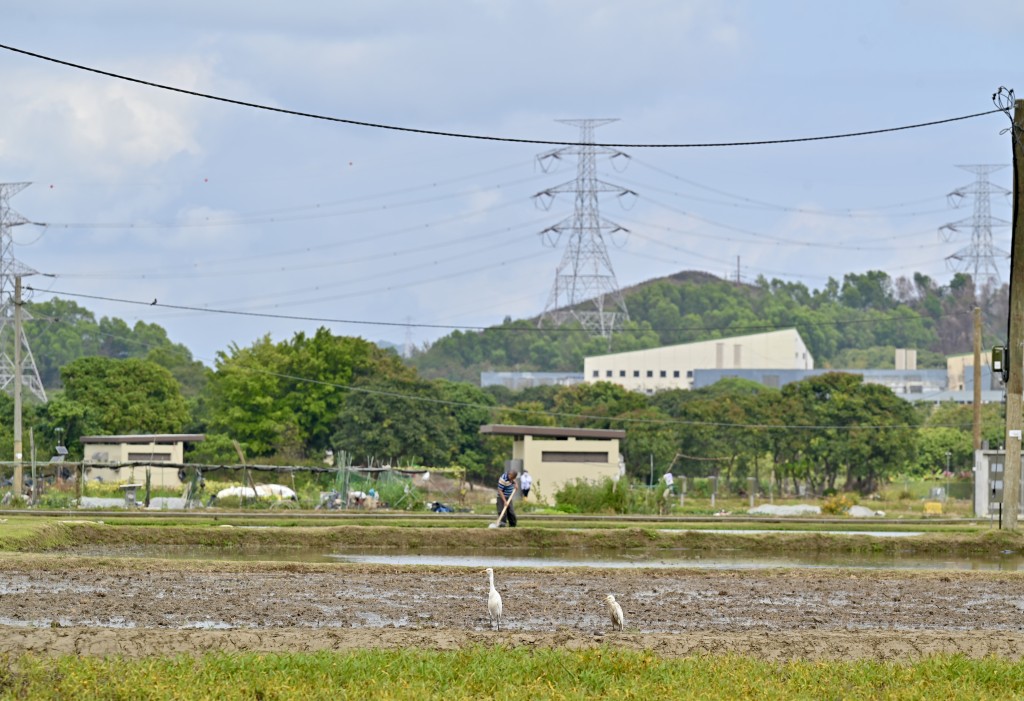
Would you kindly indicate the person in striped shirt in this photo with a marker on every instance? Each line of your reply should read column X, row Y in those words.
column 506, row 490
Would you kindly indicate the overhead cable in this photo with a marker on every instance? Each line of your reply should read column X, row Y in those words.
column 482, row 137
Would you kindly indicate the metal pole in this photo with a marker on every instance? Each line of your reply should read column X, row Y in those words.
column 32, row 454
column 977, row 378
column 19, row 477
column 948, row 455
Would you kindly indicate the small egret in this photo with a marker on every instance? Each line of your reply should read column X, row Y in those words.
column 493, row 601
column 614, row 611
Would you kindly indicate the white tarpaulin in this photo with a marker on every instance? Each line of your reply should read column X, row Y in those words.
column 262, row 490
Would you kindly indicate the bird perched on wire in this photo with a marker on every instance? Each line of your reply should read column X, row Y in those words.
column 614, row 611
column 493, row 601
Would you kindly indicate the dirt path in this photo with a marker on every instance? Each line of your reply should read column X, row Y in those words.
column 89, row 606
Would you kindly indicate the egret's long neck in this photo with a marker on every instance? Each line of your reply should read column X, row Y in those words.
column 490, row 578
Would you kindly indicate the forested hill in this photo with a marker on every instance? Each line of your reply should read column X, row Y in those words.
column 853, row 323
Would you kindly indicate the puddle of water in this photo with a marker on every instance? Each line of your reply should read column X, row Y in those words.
column 873, row 534
column 567, row 557
column 730, row 561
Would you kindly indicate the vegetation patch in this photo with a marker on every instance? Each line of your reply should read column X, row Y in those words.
column 501, row 672
column 42, row 536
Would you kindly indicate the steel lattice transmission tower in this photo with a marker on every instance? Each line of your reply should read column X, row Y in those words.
column 979, row 258
column 585, row 288
column 10, row 268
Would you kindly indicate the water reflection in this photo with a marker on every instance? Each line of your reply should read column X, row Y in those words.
column 569, row 557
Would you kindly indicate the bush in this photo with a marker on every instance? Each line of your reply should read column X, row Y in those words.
column 606, row 496
column 837, row 504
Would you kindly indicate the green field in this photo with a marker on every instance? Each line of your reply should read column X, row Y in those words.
column 501, row 673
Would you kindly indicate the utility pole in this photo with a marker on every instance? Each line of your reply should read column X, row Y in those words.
column 977, row 379
column 19, row 475
column 1015, row 381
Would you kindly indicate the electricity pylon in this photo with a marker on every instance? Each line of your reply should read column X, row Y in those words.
column 12, row 334
column 979, row 258
column 585, row 288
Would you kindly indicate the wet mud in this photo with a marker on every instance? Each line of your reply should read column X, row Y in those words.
column 67, row 605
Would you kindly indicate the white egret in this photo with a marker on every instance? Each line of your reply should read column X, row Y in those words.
column 493, row 601
column 614, row 611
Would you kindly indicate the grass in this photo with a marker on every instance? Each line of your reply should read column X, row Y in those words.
column 252, row 535
column 501, row 673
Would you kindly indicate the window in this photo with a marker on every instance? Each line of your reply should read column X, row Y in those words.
column 689, row 374
column 556, row 456
column 664, row 373
column 675, row 373
column 622, row 373
column 636, row 373
column 608, row 373
column 650, row 373
column 156, row 457
column 597, row 373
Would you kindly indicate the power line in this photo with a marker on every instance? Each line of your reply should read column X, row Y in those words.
column 557, row 414
column 513, row 329
column 566, row 415
column 481, row 137
column 755, row 203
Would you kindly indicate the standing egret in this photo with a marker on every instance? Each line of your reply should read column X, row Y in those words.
column 493, row 601
column 614, row 611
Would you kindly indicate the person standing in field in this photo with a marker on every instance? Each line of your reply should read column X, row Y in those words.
column 525, row 482
column 506, row 490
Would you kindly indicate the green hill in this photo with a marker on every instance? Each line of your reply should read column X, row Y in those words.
column 851, row 323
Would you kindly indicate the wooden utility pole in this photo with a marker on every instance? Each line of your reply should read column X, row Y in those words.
column 977, row 379
column 19, row 475
column 1015, row 349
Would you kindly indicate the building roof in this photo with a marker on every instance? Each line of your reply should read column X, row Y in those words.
column 146, row 438
column 552, row 431
column 786, row 333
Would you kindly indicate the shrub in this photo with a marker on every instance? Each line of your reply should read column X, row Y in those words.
column 837, row 504
column 606, row 496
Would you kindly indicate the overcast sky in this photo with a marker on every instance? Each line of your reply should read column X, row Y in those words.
column 156, row 195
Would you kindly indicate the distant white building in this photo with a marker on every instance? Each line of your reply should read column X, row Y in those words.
column 522, row 380
column 672, row 367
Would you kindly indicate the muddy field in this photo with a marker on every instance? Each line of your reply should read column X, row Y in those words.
column 94, row 606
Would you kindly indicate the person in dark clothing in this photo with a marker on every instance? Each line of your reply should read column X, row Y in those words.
column 506, row 490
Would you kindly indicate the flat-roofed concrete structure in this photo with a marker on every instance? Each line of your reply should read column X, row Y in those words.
column 144, row 449
column 672, row 367
column 554, row 456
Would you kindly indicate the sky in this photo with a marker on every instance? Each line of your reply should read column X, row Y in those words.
column 224, row 214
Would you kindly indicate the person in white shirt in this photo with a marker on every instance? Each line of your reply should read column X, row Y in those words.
column 525, row 482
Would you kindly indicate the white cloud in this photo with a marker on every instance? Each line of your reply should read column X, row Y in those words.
column 96, row 127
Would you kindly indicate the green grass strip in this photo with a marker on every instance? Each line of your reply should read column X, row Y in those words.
column 501, row 673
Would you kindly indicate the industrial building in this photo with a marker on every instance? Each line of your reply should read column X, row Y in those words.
column 673, row 367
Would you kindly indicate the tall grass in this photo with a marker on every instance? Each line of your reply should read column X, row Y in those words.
column 501, row 673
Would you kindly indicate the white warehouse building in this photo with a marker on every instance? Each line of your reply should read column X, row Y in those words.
column 672, row 367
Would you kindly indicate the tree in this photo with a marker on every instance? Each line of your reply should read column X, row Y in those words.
column 244, row 399
column 861, row 428
column 107, row 396
column 397, row 418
